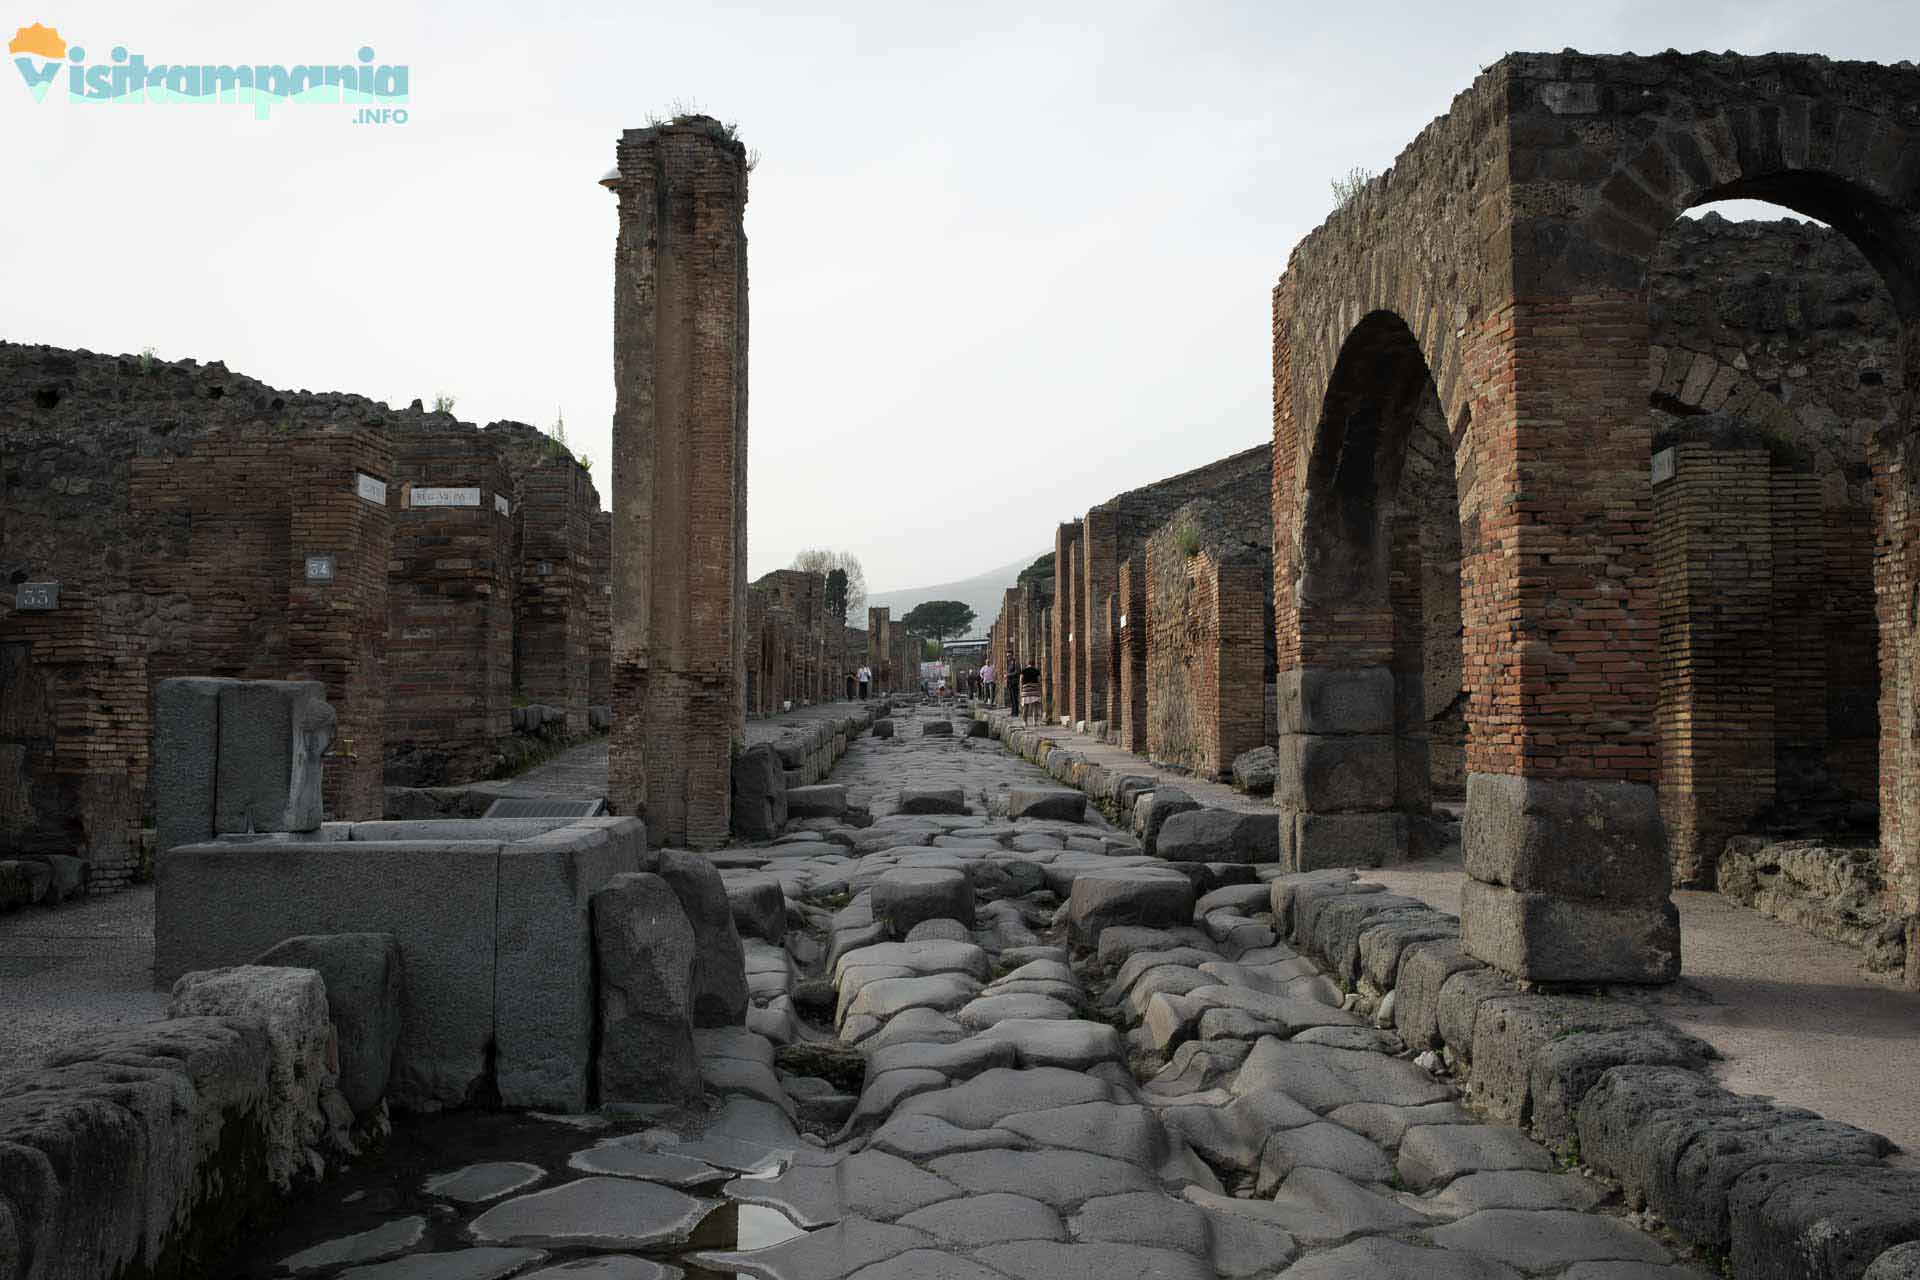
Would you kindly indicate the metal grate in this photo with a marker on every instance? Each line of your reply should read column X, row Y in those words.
column 545, row 807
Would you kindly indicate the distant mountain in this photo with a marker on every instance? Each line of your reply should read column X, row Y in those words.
column 983, row 593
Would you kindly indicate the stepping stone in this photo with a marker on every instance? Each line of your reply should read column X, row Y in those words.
column 937, row 729
column 904, row 896
column 1103, row 898
column 388, row 1240
column 1220, row 835
column 987, row 1219
column 459, row 1264
column 824, row 800
column 1057, row 803
column 594, row 1213
column 1044, row 1260
column 943, row 930
column 759, row 906
column 478, row 1183
column 1382, row 1259
column 932, row 800
column 627, row 1158
column 1541, row 1239
column 1434, row 1155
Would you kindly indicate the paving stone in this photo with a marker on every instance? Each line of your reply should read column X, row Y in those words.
column 596, row 1213
column 838, row 1250
column 1321, row 1145
column 478, row 1183
column 939, row 931
column 1370, row 1039
column 1041, row 1260
column 886, row 997
column 987, row 1010
column 459, row 1264
column 1142, row 1217
column 1198, row 1065
column 904, row 896
column 1101, row 899
column 388, row 1240
column 926, row 1264
column 918, row 957
column 1140, row 963
column 980, row 1103
column 959, row 1061
column 1382, row 1259
column 988, row 1219
column 1384, row 1124
column 759, row 906
column 1244, row 1246
column 1515, row 1189
column 1072, row 1043
column 1323, row 1078
column 919, row 1137
column 872, row 1184
column 1319, row 1207
column 635, row 1158
column 916, row 1026
column 611, row 1266
column 884, row 1092
column 1540, row 1239
column 1060, row 1178
column 1434, row 1155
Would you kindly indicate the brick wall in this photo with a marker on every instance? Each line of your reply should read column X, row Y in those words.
column 450, row 607
column 600, row 610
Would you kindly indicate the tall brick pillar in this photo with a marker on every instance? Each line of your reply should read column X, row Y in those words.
column 1130, row 639
column 1099, row 569
column 679, row 477
column 1714, row 555
column 1066, row 596
column 880, row 648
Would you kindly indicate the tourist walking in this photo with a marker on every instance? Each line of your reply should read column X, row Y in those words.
column 986, row 681
column 1030, row 694
column 866, row 681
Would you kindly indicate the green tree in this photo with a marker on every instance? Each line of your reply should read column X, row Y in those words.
column 939, row 618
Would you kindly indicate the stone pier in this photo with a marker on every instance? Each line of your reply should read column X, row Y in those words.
column 679, row 476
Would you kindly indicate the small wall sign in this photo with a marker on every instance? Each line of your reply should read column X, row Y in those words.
column 319, row 568
column 36, row 597
column 374, row 490
column 444, row 497
column 1663, row 466
column 501, row 504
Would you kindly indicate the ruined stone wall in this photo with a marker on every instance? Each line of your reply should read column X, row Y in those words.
column 450, row 607
column 553, row 605
column 179, row 505
column 600, row 611
column 797, row 651
column 1206, row 650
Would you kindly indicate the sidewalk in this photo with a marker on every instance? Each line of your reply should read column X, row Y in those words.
column 1791, row 1013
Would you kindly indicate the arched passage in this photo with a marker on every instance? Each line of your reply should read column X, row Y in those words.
column 1354, row 782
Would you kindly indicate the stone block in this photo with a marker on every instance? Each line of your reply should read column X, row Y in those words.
column 272, row 735
column 883, row 728
column 644, row 958
column 1424, row 970
column 136, row 1144
column 1152, row 811
column 937, row 729
column 932, row 799
column 1057, row 803
column 1334, row 774
column 1509, row 1030
column 905, row 896
column 186, row 754
column 719, row 996
column 1321, row 841
column 223, row 904
column 1570, row 837
column 1335, row 700
column 759, row 793
column 759, row 906
column 362, row 973
column 1220, row 835
column 1812, row 1222
column 979, row 729
column 1253, row 771
column 292, row 1005
column 1545, row 938
column 1143, row 896
column 543, row 959
column 823, row 800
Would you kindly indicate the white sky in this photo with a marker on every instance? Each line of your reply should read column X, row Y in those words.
column 974, row 227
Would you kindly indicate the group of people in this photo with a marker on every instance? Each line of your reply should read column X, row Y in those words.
column 985, row 683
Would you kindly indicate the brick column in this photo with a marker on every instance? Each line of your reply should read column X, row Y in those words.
column 679, row 477
column 1099, row 569
column 599, row 611
column 1131, row 640
column 1895, row 457
column 1713, row 552
column 1063, row 689
column 1564, row 845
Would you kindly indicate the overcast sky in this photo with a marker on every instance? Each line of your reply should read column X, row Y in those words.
column 975, row 228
